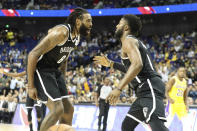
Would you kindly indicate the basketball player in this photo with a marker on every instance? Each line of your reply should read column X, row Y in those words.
column 30, row 103
column 47, row 65
column 139, row 70
column 176, row 93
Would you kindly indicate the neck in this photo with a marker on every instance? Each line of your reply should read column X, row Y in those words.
column 180, row 78
column 125, row 34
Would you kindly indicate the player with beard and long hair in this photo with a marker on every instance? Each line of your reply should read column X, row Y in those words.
column 139, row 70
column 47, row 65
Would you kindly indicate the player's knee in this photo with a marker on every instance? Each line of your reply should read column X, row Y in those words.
column 127, row 125
column 71, row 109
column 58, row 109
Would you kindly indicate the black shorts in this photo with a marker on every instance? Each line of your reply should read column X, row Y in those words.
column 30, row 103
column 50, row 84
column 147, row 108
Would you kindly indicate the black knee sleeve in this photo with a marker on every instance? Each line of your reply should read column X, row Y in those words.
column 38, row 112
column 128, row 124
column 29, row 114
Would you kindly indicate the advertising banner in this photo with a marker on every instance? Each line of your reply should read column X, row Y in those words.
column 86, row 119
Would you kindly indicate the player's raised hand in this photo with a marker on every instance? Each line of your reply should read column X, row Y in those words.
column 102, row 60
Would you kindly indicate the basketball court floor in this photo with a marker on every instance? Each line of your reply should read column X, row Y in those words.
column 12, row 127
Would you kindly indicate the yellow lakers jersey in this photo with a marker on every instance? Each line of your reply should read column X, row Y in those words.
column 177, row 94
column 178, row 89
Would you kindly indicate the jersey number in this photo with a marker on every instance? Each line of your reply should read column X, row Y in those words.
column 61, row 59
column 180, row 92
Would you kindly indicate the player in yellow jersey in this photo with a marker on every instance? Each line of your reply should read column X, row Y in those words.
column 176, row 93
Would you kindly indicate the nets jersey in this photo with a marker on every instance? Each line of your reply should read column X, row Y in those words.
column 148, row 71
column 58, row 55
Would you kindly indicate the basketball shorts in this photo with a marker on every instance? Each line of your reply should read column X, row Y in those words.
column 147, row 107
column 50, row 84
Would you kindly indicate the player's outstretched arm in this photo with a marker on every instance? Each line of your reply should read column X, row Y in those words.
column 104, row 61
column 13, row 74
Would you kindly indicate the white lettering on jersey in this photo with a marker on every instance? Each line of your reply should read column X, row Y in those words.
column 66, row 49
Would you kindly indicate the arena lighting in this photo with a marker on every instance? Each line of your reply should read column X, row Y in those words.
column 102, row 12
column 7, row 26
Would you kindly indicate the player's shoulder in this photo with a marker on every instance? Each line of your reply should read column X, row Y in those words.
column 59, row 29
column 131, row 38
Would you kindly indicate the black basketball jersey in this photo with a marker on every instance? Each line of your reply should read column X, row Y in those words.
column 148, row 71
column 55, row 57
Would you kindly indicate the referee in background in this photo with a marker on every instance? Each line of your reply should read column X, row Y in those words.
column 100, row 95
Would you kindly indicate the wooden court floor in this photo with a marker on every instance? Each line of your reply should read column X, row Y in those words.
column 12, row 127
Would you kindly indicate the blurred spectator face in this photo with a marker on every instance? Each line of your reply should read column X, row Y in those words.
column 107, row 81
column 190, row 101
column 124, row 99
column 86, row 25
column 181, row 72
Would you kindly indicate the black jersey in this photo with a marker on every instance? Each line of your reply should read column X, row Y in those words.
column 55, row 57
column 148, row 70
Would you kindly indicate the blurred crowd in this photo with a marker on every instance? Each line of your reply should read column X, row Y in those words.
column 83, row 77
column 87, row 4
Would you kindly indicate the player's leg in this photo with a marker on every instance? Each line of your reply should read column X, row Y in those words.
column 56, row 109
column 29, row 110
column 39, row 113
column 132, row 119
column 157, row 124
column 29, row 107
column 43, row 110
column 49, row 93
column 67, row 116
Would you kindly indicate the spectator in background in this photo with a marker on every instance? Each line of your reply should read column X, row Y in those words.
column 4, row 109
column 193, row 92
column 22, row 95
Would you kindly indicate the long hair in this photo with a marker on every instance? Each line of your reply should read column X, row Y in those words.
column 76, row 14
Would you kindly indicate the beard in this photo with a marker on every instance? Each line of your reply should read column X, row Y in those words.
column 83, row 30
column 119, row 33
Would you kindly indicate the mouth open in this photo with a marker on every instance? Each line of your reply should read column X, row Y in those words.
column 88, row 31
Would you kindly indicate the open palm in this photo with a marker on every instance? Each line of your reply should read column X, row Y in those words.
column 102, row 60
